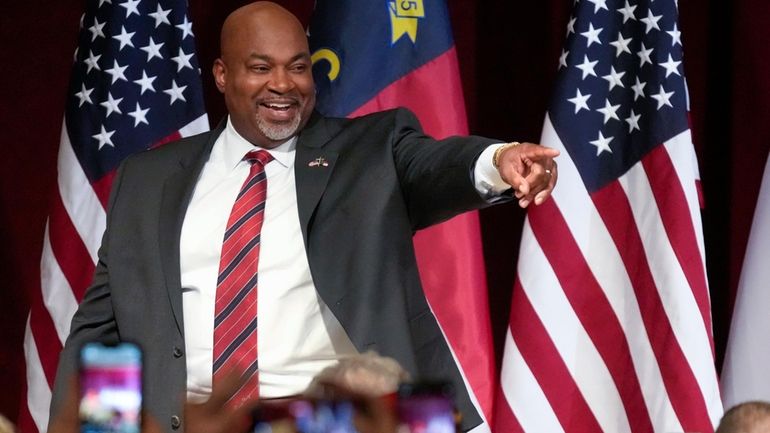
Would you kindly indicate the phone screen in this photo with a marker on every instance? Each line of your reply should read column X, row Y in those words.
column 426, row 408
column 110, row 388
column 304, row 416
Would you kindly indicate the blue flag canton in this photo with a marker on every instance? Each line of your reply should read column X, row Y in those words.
column 135, row 80
column 620, row 89
column 360, row 47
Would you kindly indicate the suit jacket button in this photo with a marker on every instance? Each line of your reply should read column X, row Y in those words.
column 175, row 422
column 178, row 352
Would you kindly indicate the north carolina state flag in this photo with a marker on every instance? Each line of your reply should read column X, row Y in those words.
column 375, row 55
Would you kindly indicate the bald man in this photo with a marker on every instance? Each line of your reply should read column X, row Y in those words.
column 336, row 269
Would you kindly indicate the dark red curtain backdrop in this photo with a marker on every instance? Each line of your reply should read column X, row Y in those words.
column 508, row 54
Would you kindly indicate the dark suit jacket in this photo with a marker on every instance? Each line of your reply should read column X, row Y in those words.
column 384, row 180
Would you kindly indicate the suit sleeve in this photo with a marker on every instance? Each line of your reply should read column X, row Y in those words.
column 436, row 176
column 94, row 319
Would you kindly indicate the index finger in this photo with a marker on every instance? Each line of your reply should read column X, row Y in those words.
column 540, row 152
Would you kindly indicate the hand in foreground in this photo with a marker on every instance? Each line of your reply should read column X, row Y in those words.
column 530, row 169
column 212, row 416
column 215, row 415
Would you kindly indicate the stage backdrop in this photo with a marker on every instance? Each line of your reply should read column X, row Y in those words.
column 508, row 53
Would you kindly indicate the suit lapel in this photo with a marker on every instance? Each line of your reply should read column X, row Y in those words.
column 177, row 192
column 313, row 167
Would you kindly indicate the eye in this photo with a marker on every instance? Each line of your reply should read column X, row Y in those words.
column 259, row 68
column 299, row 68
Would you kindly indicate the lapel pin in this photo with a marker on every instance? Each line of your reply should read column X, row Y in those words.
column 318, row 162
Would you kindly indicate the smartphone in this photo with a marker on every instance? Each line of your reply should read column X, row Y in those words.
column 110, row 379
column 426, row 407
column 304, row 416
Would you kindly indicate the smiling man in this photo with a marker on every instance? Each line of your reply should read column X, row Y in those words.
column 265, row 74
column 281, row 242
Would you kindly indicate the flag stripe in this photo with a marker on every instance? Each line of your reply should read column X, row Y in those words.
column 548, row 367
column 504, row 416
column 589, row 302
column 83, row 206
column 675, row 218
column 44, row 335
column 438, row 113
column 38, row 389
column 681, row 305
column 58, row 296
column 68, row 249
column 678, row 377
column 25, row 423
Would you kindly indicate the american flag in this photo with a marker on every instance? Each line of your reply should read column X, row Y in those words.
column 610, row 325
column 135, row 85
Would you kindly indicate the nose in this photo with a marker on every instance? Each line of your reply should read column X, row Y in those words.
column 280, row 81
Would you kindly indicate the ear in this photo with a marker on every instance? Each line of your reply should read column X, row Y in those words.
column 219, row 70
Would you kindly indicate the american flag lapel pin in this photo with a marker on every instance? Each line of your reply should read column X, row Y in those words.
column 318, row 162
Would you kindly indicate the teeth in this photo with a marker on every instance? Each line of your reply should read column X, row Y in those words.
column 279, row 106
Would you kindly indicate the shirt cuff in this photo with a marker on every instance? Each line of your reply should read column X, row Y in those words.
column 486, row 177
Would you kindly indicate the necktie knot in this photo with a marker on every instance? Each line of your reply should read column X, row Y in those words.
column 260, row 156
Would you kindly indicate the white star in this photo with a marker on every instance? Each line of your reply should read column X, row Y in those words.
column 101, row 2
column 638, row 89
column 621, row 45
column 599, row 4
column 160, row 16
column 117, row 72
column 146, row 82
column 152, row 49
column 614, row 78
column 97, row 29
column 663, row 98
column 124, row 38
column 609, row 111
column 182, row 60
column 139, row 115
column 633, row 121
column 175, row 92
column 644, row 55
column 587, row 67
column 676, row 36
column 671, row 66
column 92, row 61
column 580, row 101
column 104, row 138
column 602, row 144
column 651, row 22
column 571, row 25
column 628, row 12
column 592, row 34
column 563, row 59
column 82, row 20
column 131, row 7
column 84, row 95
column 185, row 27
column 111, row 105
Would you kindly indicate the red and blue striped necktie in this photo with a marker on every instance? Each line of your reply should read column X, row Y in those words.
column 235, row 320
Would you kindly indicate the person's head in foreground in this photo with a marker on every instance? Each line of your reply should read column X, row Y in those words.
column 749, row 417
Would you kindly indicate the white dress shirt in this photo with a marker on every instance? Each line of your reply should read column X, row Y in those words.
column 297, row 335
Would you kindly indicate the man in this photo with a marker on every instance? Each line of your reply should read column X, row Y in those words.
column 336, row 267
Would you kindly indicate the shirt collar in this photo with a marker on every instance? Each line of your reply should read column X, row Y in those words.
column 235, row 147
